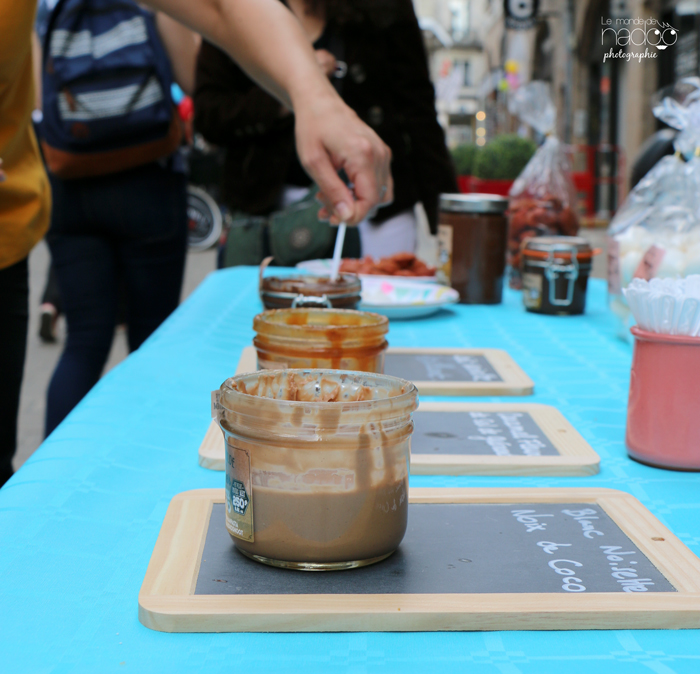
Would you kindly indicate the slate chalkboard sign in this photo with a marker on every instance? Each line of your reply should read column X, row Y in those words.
column 441, row 367
column 470, row 372
column 497, row 439
column 477, row 439
column 460, row 548
column 444, row 371
column 476, row 432
column 477, row 559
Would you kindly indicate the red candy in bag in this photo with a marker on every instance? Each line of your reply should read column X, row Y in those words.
column 542, row 199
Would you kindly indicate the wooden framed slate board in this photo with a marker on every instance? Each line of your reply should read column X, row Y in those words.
column 496, row 439
column 454, row 372
column 472, row 559
column 459, row 372
column 477, row 439
column 211, row 451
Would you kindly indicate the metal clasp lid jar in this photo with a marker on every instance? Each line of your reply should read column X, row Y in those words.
column 281, row 292
column 555, row 274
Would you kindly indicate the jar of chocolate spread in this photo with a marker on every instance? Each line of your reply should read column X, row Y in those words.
column 472, row 240
column 280, row 292
column 335, row 339
column 555, row 272
column 316, row 465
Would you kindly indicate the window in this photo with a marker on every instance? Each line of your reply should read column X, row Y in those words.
column 459, row 11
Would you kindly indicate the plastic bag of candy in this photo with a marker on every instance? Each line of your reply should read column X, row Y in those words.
column 656, row 231
column 542, row 199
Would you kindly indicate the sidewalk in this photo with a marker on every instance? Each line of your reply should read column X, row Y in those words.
column 42, row 358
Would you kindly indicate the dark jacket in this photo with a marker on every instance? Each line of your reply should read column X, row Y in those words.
column 388, row 86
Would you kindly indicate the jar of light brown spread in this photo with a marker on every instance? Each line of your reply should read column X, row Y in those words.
column 337, row 339
column 472, row 240
column 316, row 465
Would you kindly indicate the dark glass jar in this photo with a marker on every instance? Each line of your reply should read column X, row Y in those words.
column 555, row 272
column 284, row 292
column 472, row 239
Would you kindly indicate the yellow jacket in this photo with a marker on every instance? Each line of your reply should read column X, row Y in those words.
column 25, row 198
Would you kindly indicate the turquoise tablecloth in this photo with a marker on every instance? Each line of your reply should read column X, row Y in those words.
column 79, row 521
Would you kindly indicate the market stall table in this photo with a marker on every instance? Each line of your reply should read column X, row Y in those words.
column 80, row 520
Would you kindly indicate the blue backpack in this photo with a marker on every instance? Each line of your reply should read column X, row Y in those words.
column 106, row 90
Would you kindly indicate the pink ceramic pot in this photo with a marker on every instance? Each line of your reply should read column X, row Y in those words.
column 663, row 416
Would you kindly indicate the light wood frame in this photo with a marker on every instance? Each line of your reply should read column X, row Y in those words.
column 167, row 602
column 248, row 361
column 211, row 451
column 577, row 457
column 515, row 381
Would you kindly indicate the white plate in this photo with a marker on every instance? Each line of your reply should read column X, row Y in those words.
column 323, row 268
column 396, row 297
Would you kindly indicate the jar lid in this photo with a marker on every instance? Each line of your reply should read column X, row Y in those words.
column 541, row 247
column 347, row 285
column 473, row 203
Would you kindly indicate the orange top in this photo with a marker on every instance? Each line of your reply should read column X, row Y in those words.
column 25, row 198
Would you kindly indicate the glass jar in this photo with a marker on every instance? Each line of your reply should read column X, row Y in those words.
column 337, row 339
column 281, row 292
column 472, row 238
column 555, row 272
column 316, row 466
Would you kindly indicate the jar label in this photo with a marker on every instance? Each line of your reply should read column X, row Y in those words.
column 239, row 493
column 444, row 268
column 532, row 290
column 650, row 263
column 216, row 406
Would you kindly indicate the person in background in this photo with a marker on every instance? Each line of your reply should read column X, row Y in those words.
column 329, row 137
column 102, row 243
column 51, row 306
column 373, row 53
column 182, row 46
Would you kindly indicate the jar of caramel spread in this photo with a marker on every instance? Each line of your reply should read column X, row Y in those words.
column 472, row 241
column 316, row 465
column 280, row 292
column 334, row 339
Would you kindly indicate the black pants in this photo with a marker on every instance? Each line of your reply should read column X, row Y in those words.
column 14, row 316
column 125, row 232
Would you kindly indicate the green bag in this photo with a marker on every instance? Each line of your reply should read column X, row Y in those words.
column 295, row 234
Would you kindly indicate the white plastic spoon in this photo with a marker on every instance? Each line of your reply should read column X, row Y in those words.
column 339, row 241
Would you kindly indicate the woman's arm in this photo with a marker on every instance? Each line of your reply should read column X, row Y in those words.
column 182, row 46
column 268, row 42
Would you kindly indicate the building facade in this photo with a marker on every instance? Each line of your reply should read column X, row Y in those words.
column 605, row 61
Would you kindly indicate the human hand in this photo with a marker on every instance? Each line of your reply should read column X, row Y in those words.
column 330, row 137
column 326, row 61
